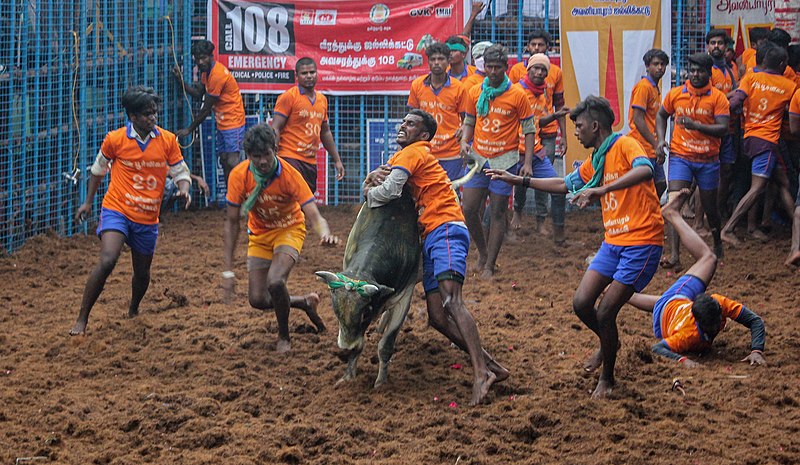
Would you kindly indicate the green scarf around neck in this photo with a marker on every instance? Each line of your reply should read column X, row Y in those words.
column 599, row 162
column 488, row 93
column 261, row 182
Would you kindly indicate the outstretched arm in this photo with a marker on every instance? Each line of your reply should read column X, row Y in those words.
column 662, row 349
column 319, row 224
column 477, row 7
column 194, row 89
column 205, row 110
column 758, row 335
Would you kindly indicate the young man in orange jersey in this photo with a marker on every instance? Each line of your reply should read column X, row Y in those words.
column 685, row 318
column 794, row 125
column 142, row 154
column 445, row 240
column 701, row 114
column 276, row 200
column 645, row 102
column 763, row 97
column 445, row 99
column 535, row 89
column 757, row 35
column 458, row 68
column 628, row 257
column 221, row 95
column 300, row 119
column 495, row 111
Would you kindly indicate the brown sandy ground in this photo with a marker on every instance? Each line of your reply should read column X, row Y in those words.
column 192, row 381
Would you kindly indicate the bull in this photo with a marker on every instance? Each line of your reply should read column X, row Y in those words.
column 381, row 264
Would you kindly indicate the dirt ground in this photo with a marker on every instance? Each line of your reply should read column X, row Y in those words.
column 192, row 381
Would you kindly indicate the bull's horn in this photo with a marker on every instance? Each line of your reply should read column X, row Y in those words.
column 370, row 289
column 327, row 276
column 476, row 166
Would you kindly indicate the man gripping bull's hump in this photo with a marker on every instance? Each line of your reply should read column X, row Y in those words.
column 445, row 240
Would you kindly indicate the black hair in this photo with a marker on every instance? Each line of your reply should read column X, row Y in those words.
column 495, row 53
column 437, row 48
column 707, row 313
column 757, row 34
column 762, row 52
column 456, row 40
column 655, row 53
column 138, row 99
column 779, row 37
column 794, row 55
column 305, row 61
column 773, row 57
column 428, row 121
column 540, row 34
column 717, row 33
column 702, row 60
column 598, row 110
column 259, row 138
column 202, row 47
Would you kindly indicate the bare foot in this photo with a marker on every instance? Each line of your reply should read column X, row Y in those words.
column 79, row 329
column 603, row 389
column 793, row 259
column 481, row 387
column 730, row 239
column 312, row 301
column 759, row 235
column 516, row 222
column 593, row 362
column 133, row 313
column 671, row 207
column 283, row 346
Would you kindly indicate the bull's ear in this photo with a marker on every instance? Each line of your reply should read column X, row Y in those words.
column 327, row 276
column 372, row 290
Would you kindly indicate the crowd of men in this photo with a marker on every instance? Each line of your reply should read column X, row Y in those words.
column 728, row 115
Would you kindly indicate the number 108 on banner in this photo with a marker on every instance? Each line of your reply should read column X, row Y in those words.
column 256, row 28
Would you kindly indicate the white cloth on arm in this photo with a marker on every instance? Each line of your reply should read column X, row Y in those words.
column 180, row 172
column 392, row 188
column 101, row 164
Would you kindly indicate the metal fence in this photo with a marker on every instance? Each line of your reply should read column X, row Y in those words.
column 64, row 66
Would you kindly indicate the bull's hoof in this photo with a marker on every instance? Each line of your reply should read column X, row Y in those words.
column 344, row 380
column 383, row 377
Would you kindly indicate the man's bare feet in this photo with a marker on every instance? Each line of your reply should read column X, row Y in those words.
column 730, row 239
column 283, row 346
column 603, row 389
column 759, row 235
column 79, row 329
column 793, row 259
column 516, row 221
column 593, row 362
column 481, row 387
column 312, row 302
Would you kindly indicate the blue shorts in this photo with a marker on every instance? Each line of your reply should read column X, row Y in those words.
column 140, row 237
column 633, row 265
column 686, row 287
column 230, row 140
column 482, row 181
column 764, row 163
column 445, row 250
column 727, row 151
column 542, row 167
column 658, row 171
column 453, row 168
column 706, row 173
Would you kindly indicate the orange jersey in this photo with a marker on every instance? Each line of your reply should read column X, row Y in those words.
column 794, row 105
column 518, row 71
column 631, row 216
column 645, row 96
column 540, row 106
column 138, row 171
column 747, row 55
column 555, row 85
column 429, row 184
column 469, row 70
column 229, row 109
column 446, row 105
column 680, row 329
column 497, row 132
column 278, row 204
column 735, row 69
column 767, row 98
column 703, row 106
column 722, row 79
column 473, row 80
column 299, row 138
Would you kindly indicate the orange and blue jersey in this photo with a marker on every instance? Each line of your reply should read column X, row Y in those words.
column 304, row 113
column 767, row 97
column 645, row 96
column 473, row 80
column 279, row 202
column 468, row 71
column 631, row 216
column 229, row 109
column 540, row 105
column 722, row 78
column 138, row 171
column 555, row 85
column 497, row 132
column 446, row 105
column 794, row 105
column 430, row 186
column 681, row 332
column 702, row 105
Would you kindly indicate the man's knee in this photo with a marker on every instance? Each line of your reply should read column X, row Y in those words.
column 582, row 304
column 258, row 301
column 107, row 263
column 276, row 285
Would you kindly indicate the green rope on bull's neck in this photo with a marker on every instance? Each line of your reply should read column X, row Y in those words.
column 349, row 284
column 599, row 163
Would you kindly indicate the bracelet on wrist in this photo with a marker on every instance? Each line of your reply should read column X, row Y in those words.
column 682, row 359
column 228, row 274
column 757, row 350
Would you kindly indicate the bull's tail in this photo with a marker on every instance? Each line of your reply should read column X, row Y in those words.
column 476, row 165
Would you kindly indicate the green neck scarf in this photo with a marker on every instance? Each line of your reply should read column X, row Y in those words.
column 599, row 162
column 488, row 93
column 261, row 182
column 349, row 284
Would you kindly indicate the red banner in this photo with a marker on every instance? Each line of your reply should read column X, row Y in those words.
column 360, row 47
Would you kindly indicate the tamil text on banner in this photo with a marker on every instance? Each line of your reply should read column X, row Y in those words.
column 602, row 45
column 739, row 16
column 360, row 47
column 787, row 17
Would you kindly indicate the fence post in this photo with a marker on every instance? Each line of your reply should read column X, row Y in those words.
column 336, row 138
column 520, row 46
column 678, row 38
column 82, row 129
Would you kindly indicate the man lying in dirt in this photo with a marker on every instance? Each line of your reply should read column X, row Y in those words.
column 685, row 318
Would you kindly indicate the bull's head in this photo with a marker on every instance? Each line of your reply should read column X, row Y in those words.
column 355, row 304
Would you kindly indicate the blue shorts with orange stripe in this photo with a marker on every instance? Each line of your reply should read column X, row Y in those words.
column 634, row 265
column 444, row 252
column 686, row 287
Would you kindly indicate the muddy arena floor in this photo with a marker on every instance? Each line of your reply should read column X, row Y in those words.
column 194, row 381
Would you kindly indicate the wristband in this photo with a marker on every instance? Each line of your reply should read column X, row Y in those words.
column 756, row 350
column 682, row 359
column 526, row 181
column 228, row 274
